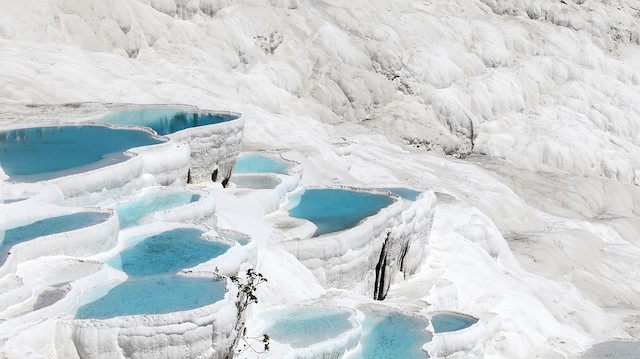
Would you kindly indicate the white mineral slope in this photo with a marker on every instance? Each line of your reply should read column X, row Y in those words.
column 536, row 231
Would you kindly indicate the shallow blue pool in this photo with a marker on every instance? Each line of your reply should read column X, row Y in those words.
column 255, row 181
column 304, row 326
column 450, row 322
column 165, row 121
column 406, row 193
column 13, row 200
column 131, row 212
column 615, row 349
column 166, row 252
column 391, row 335
column 41, row 153
column 333, row 210
column 153, row 295
column 260, row 164
column 52, row 225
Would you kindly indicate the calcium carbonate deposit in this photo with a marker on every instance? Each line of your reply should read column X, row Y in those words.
column 502, row 135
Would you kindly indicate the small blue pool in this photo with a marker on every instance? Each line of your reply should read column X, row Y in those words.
column 255, row 181
column 406, row 193
column 52, row 225
column 615, row 349
column 165, row 121
column 167, row 252
column 450, row 322
column 260, row 164
column 333, row 210
column 131, row 212
column 153, row 295
column 41, row 153
column 391, row 335
column 301, row 327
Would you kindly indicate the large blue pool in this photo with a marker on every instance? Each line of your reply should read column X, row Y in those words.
column 166, row 252
column 153, row 287
column 131, row 212
column 52, row 225
column 303, row 326
column 333, row 210
column 391, row 335
column 450, row 322
column 153, row 295
column 260, row 164
column 34, row 154
column 167, row 120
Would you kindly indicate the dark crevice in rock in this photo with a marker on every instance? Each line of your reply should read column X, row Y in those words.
column 380, row 286
column 403, row 253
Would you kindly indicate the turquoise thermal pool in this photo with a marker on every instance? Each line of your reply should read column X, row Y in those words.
column 260, row 164
column 406, row 193
column 152, row 295
column 42, row 153
column 333, row 210
column 450, row 322
column 167, row 252
column 153, row 287
column 301, row 327
column 391, row 335
column 130, row 213
column 48, row 226
column 165, row 121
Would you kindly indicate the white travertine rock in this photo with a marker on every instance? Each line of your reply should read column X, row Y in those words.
column 367, row 257
column 207, row 331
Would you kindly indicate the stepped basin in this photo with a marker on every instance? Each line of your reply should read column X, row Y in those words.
column 451, row 322
column 131, row 212
column 333, row 210
column 167, row 120
column 389, row 335
column 151, row 295
column 301, row 327
column 253, row 163
column 257, row 181
column 166, row 252
column 48, row 226
column 406, row 193
column 42, row 153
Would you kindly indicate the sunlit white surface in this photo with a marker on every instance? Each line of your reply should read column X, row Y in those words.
column 535, row 230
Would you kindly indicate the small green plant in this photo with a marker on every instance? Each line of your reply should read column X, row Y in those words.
column 247, row 295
